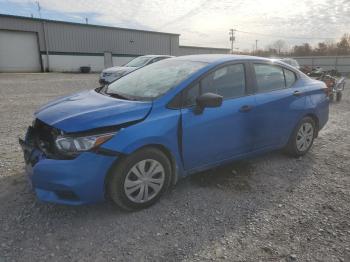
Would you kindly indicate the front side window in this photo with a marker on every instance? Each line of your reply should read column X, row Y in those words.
column 227, row 81
column 269, row 77
column 191, row 94
column 152, row 81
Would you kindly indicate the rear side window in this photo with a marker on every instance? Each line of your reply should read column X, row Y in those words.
column 269, row 77
column 290, row 77
column 227, row 81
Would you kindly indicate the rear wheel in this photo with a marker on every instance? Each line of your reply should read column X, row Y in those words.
column 302, row 137
column 139, row 180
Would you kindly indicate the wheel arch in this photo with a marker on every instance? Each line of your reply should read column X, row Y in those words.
column 166, row 151
column 160, row 147
column 315, row 118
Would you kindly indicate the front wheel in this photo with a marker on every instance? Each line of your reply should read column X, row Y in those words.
column 302, row 137
column 140, row 179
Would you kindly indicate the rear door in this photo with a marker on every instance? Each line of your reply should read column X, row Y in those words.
column 219, row 133
column 280, row 103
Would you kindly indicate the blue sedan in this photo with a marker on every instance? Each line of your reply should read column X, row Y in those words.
column 131, row 140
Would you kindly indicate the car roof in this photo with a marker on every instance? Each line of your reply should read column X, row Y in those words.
column 219, row 58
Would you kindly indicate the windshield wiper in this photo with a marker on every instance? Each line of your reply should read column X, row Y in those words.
column 120, row 96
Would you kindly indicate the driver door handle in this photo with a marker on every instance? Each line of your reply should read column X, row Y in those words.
column 245, row 108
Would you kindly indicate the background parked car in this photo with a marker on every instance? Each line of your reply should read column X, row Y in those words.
column 113, row 73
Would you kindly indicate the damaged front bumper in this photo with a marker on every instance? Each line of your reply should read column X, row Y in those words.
column 66, row 181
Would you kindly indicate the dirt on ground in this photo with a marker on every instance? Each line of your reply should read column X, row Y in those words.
column 269, row 208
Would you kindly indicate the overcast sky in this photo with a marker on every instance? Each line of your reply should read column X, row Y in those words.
column 205, row 22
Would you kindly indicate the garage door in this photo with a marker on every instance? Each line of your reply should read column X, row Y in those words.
column 19, row 52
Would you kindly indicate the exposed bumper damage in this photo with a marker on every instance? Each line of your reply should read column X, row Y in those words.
column 64, row 181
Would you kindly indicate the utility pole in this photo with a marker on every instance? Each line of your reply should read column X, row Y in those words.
column 232, row 38
column 39, row 8
column 256, row 46
column 45, row 33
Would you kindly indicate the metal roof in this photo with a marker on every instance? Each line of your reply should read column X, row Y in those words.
column 85, row 25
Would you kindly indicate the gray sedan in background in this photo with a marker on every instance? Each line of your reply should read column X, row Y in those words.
column 111, row 74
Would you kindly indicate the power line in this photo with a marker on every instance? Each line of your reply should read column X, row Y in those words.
column 287, row 37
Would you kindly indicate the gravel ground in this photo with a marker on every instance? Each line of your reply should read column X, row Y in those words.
column 270, row 208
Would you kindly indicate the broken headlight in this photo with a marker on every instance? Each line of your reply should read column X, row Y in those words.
column 73, row 145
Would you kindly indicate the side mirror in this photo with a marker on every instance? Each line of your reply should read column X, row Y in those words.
column 208, row 100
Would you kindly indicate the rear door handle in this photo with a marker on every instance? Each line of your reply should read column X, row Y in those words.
column 245, row 108
column 297, row 93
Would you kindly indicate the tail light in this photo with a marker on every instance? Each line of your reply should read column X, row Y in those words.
column 328, row 90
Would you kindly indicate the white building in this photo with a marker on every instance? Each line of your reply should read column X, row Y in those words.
column 37, row 45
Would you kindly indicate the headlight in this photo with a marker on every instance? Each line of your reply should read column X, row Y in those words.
column 70, row 145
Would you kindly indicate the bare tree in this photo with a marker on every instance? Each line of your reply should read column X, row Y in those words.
column 344, row 44
column 279, row 45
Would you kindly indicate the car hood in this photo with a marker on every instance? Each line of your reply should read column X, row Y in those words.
column 120, row 69
column 89, row 110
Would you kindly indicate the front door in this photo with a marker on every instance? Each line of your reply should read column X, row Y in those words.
column 221, row 133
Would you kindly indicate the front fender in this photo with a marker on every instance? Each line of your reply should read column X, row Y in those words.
column 160, row 128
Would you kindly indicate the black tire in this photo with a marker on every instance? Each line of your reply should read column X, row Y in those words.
column 118, row 176
column 339, row 96
column 292, row 148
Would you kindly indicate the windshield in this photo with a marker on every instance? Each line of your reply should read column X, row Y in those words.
column 152, row 81
column 138, row 61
